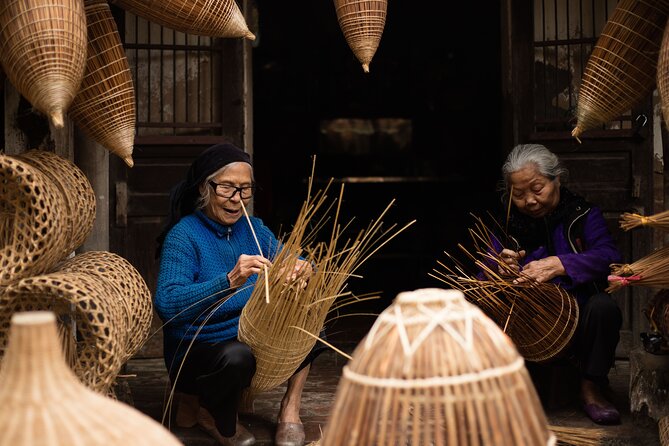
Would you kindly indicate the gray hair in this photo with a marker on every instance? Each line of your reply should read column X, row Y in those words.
column 546, row 162
column 206, row 192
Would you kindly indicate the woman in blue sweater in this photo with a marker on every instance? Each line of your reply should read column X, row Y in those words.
column 209, row 263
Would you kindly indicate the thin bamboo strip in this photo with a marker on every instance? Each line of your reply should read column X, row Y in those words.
column 214, row 18
column 651, row 270
column 362, row 22
column 43, row 51
column 630, row 220
column 663, row 75
column 104, row 106
column 435, row 370
column 622, row 68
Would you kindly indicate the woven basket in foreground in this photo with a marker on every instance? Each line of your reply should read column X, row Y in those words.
column 43, row 51
column 362, row 22
column 432, row 370
column 104, row 106
column 42, row 402
column 622, row 67
column 217, row 18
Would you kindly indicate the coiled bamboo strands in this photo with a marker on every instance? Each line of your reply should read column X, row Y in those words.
column 433, row 369
column 622, row 67
column 630, row 220
column 43, row 402
column 651, row 270
column 362, row 22
column 104, row 106
column 214, row 18
column 43, row 51
column 663, row 75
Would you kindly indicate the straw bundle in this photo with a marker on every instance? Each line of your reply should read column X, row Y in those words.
column 281, row 321
column 629, row 220
column 214, row 18
column 42, row 402
column 43, row 51
column 362, row 22
column 663, row 75
column 622, row 67
column 104, row 106
column 32, row 220
column 76, row 192
column 434, row 369
column 651, row 270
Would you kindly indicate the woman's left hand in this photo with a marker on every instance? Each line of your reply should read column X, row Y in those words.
column 541, row 270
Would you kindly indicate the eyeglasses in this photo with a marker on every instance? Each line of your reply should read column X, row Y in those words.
column 229, row 191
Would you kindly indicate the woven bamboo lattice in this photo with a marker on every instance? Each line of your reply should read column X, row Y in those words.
column 104, row 106
column 663, row 75
column 76, row 192
column 94, row 308
column 214, row 18
column 362, row 22
column 131, row 291
column 434, row 369
column 32, row 220
column 281, row 321
column 42, row 402
column 622, row 67
column 651, row 270
column 663, row 426
column 630, row 220
column 43, row 51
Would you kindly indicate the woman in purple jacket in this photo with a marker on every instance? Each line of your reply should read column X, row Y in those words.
column 563, row 239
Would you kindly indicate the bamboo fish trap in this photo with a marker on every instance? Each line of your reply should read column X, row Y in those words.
column 630, row 220
column 434, row 369
column 622, row 67
column 663, row 75
column 43, row 51
column 104, row 106
column 213, row 18
column 281, row 322
column 362, row 22
column 42, row 402
column 651, row 270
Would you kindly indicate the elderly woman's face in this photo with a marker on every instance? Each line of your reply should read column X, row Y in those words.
column 228, row 210
column 533, row 193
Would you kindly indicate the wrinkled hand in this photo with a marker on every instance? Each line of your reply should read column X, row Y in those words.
column 246, row 266
column 511, row 259
column 541, row 270
column 300, row 274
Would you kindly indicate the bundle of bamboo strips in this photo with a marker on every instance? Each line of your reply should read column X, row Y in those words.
column 43, row 51
column 362, row 22
column 214, row 18
column 663, row 75
column 630, row 220
column 104, row 106
column 622, row 67
column 282, row 320
column 651, row 270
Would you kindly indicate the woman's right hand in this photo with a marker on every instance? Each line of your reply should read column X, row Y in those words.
column 511, row 260
column 246, row 266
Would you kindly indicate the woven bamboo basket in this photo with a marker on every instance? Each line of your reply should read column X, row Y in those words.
column 434, row 369
column 134, row 297
column 663, row 426
column 214, row 18
column 43, row 51
column 76, row 193
column 663, row 75
column 92, row 305
column 32, row 219
column 104, row 106
column 362, row 22
column 622, row 67
column 42, row 402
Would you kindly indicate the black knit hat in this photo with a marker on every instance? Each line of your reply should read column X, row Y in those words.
column 184, row 196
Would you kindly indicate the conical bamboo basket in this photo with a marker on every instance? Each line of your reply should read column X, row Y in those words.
column 43, row 403
column 434, row 370
column 32, row 220
column 622, row 67
column 362, row 22
column 104, row 106
column 214, row 18
column 43, row 51
column 663, row 75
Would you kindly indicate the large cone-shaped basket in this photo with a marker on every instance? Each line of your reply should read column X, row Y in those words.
column 362, row 22
column 42, row 402
column 432, row 370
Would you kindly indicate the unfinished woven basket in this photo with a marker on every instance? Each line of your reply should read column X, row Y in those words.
column 104, row 106
column 214, row 18
column 663, row 75
column 622, row 67
column 43, row 51
column 32, row 220
column 42, row 402
column 362, row 22
column 76, row 193
column 434, row 370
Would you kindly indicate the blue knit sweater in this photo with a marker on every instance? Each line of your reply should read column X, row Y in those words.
column 196, row 256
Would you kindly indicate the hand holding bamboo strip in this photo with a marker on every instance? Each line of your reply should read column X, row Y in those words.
column 362, row 22
column 651, row 270
column 629, row 220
